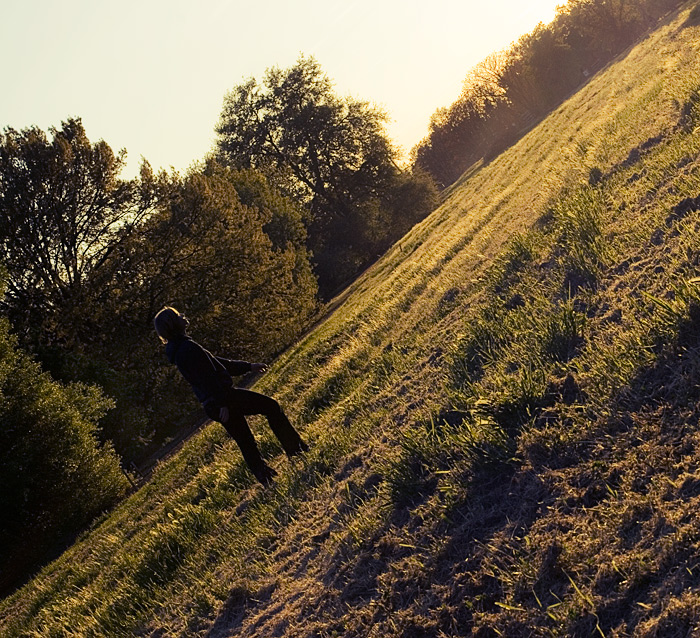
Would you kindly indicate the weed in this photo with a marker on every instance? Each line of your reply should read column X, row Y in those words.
column 479, row 439
column 519, row 252
column 579, row 220
column 678, row 319
column 365, row 521
column 519, row 398
column 612, row 366
column 472, row 441
column 563, row 332
column 170, row 543
column 409, row 476
column 486, row 336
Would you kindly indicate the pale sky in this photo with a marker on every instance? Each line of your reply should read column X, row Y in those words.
column 150, row 75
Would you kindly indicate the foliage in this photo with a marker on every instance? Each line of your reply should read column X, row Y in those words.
column 508, row 91
column 208, row 254
column 110, row 254
column 92, row 258
column 55, row 475
column 332, row 154
column 63, row 210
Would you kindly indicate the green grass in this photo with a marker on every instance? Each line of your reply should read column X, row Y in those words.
column 502, row 411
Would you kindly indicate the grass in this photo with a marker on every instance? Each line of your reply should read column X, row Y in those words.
column 503, row 413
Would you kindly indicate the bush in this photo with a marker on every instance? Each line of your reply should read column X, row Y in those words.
column 55, row 476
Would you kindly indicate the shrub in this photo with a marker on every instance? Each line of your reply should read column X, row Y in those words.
column 55, row 476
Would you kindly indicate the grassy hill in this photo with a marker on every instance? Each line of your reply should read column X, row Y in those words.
column 504, row 414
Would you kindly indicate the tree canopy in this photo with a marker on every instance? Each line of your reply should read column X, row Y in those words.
column 63, row 209
column 334, row 147
column 92, row 257
column 332, row 154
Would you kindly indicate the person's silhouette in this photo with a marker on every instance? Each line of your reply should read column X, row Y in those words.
column 210, row 378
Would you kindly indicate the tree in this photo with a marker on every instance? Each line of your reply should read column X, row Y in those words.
column 241, row 269
column 540, row 71
column 462, row 134
column 330, row 153
column 92, row 258
column 63, row 209
column 335, row 148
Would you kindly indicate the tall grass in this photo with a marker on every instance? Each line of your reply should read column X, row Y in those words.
column 578, row 223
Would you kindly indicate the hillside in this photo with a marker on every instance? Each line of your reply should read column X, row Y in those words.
column 503, row 412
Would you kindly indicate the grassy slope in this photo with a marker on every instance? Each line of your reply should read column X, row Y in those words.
column 503, row 411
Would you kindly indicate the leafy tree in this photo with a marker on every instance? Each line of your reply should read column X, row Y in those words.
column 330, row 153
column 63, row 209
column 241, row 269
column 55, row 475
column 111, row 252
column 460, row 135
column 334, row 147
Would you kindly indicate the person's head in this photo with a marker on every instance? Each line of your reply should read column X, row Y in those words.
column 170, row 324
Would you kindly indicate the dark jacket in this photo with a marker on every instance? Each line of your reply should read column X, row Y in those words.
column 209, row 376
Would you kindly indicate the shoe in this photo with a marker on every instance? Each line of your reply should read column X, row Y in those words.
column 265, row 474
column 301, row 449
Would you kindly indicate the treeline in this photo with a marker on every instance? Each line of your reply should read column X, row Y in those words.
column 301, row 192
column 511, row 90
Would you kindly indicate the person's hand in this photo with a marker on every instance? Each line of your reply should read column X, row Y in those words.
column 258, row 367
column 223, row 414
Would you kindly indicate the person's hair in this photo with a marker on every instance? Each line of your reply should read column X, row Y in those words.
column 166, row 324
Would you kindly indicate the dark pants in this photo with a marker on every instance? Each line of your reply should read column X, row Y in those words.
column 242, row 403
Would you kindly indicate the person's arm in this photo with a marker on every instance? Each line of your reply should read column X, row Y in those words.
column 235, row 368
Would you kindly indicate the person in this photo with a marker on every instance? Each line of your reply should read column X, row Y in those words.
column 211, row 379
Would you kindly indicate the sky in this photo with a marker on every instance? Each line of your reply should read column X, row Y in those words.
column 150, row 76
